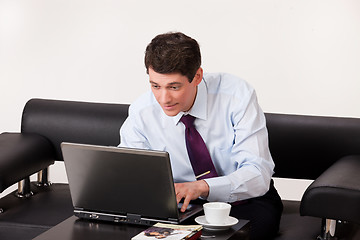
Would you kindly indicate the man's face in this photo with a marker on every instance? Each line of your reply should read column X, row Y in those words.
column 173, row 91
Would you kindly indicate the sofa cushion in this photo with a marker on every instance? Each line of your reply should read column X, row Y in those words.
column 296, row 227
column 46, row 208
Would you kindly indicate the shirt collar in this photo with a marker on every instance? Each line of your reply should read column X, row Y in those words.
column 199, row 109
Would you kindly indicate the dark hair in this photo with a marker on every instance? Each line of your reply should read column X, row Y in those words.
column 173, row 52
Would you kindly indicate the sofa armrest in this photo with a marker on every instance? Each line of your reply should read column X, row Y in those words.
column 336, row 193
column 22, row 155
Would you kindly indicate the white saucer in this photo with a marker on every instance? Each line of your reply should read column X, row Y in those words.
column 231, row 221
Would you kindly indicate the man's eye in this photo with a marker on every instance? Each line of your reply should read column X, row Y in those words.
column 175, row 88
column 155, row 86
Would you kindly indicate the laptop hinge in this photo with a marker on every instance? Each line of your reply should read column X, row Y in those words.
column 173, row 220
column 133, row 218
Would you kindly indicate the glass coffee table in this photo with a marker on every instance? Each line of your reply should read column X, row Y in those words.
column 74, row 228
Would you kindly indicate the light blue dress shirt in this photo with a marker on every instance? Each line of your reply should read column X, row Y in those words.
column 232, row 125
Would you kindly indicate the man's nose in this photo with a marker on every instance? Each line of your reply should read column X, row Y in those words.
column 165, row 96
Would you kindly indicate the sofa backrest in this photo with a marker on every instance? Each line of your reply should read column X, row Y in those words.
column 302, row 146
column 305, row 146
column 70, row 121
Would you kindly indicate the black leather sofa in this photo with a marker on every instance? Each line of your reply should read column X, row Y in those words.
column 325, row 149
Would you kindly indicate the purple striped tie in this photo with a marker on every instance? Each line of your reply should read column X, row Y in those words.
column 198, row 153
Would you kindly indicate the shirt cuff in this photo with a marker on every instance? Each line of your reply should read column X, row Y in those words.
column 219, row 189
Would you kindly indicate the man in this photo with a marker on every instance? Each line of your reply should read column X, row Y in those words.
column 225, row 112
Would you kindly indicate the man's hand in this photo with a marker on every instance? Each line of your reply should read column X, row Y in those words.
column 190, row 191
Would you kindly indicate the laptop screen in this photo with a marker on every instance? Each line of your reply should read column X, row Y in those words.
column 120, row 180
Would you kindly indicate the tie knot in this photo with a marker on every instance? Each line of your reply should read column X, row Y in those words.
column 188, row 120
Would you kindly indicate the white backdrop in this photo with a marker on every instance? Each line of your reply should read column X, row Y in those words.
column 301, row 56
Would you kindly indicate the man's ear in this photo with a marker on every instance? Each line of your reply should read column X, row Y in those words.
column 198, row 76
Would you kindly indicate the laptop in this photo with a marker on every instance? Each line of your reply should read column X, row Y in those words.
column 122, row 185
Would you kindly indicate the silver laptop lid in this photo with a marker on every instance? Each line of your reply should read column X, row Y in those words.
column 120, row 181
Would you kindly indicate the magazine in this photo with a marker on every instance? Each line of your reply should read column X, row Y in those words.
column 170, row 232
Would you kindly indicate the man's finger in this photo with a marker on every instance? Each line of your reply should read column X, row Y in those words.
column 178, row 192
column 185, row 204
column 178, row 198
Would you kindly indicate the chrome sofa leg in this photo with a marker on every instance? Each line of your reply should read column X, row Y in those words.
column 328, row 230
column 24, row 188
column 43, row 178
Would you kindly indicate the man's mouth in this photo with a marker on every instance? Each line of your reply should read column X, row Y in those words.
column 170, row 106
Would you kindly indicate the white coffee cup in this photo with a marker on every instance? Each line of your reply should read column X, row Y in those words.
column 216, row 212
